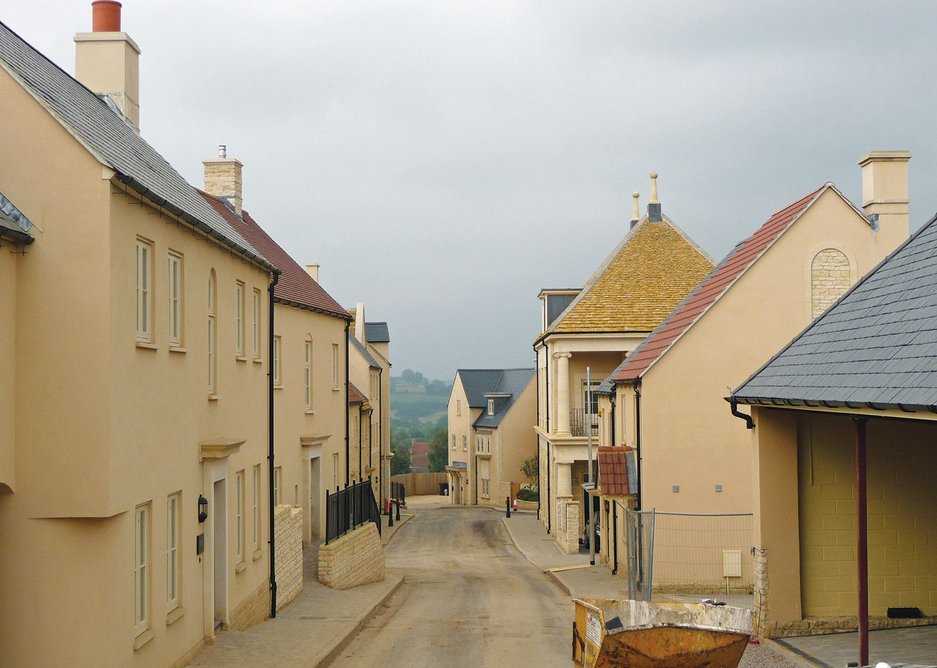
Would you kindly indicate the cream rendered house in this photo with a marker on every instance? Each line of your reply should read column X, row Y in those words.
column 490, row 413
column 646, row 275
column 695, row 457
column 369, row 372
column 309, row 360
column 134, row 480
column 844, row 457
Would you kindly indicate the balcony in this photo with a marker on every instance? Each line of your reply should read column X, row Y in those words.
column 579, row 422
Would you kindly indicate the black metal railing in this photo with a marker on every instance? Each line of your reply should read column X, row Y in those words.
column 578, row 419
column 399, row 492
column 349, row 508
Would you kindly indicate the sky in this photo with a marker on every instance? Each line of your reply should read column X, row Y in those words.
column 444, row 161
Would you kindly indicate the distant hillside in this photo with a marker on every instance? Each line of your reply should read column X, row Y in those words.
column 415, row 399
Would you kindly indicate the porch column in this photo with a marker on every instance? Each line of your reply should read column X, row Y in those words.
column 562, row 393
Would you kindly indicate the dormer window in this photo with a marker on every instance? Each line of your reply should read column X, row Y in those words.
column 491, row 407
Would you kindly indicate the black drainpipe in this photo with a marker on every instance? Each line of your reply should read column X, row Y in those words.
column 270, row 449
column 546, row 369
column 749, row 422
column 370, row 440
column 347, row 414
column 637, row 441
column 360, row 445
column 380, row 436
column 537, row 367
column 612, row 416
column 615, row 535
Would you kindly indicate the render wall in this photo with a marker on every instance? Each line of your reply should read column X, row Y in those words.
column 309, row 439
column 104, row 425
column 9, row 263
column 689, row 438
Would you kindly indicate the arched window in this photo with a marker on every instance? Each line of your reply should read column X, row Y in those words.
column 830, row 277
column 212, row 334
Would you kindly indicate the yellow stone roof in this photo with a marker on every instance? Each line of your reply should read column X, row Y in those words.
column 641, row 282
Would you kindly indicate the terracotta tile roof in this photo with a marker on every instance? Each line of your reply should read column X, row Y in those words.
column 354, row 395
column 645, row 277
column 613, row 471
column 295, row 286
column 711, row 289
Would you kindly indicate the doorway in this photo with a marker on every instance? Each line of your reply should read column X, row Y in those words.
column 315, row 492
column 219, row 550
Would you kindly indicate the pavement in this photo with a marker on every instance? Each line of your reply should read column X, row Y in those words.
column 314, row 628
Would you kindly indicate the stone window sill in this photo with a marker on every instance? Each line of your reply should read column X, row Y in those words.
column 142, row 639
column 177, row 349
column 213, row 397
column 241, row 567
column 146, row 345
column 240, row 358
column 257, row 555
column 257, row 360
column 310, row 411
column 174, row 615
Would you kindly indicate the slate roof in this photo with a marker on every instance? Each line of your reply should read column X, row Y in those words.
column 377, row 332
column 713, row 287
column 106, row 136
column 361, row 348
column 617, row 476
column 512, row 382
column 295, row 286
column 876, row 347
column 13, row 222
column 640, row 282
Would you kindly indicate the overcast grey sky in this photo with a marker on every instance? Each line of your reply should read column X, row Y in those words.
column 443, row 161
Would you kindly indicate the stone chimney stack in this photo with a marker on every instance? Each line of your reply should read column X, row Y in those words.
column 885, row 192
column 223, row 178
column 653, row 204
column 107, row 61
column 360, row 333
column 313, row 270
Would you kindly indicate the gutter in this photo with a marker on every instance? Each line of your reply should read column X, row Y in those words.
column 637, row 442
column 194, row 222
column 270, row 449
column 18, row 237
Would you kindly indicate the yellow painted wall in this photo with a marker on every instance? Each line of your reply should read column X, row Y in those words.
column 902, row 512
column 9, row 262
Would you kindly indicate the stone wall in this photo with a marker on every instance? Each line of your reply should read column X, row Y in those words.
column 288, row 521
column 760, row 590
column 252, row 610
column 567, row 525
column 829, row 279
column 356, row 558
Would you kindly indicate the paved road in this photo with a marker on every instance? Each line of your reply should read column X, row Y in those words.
column 470, row 599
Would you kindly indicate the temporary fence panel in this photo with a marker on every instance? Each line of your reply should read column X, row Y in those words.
column 639, row 534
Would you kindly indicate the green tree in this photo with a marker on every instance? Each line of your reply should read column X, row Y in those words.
column 438, row 455
column 400, row 462
column 530, row 469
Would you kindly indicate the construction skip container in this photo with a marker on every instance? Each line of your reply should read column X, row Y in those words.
column 639, row 634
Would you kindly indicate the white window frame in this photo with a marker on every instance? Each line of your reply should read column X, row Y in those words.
column 240, row 292
column 239, row 515
column 277, row 361
column 256, row 338
column 334, row 366
column 277, row 485
column 491, row 407
column 464, row 443
column 141, row 567
column 307, row 349
column 335, row 470
column 255, row 508
column 176, row 289
column 453, row 441
column 144, row 290
column 212, row 334
column 173, row 562
column 458, row 407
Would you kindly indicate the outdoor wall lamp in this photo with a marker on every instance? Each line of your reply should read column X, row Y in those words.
column 202, row 509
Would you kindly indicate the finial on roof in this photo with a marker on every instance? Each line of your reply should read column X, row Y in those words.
column 635, row 211
column 222, row 150
column 653, row 204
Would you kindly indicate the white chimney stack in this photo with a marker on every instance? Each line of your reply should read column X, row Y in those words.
column 107, row 61
column 885, row 193
column 313, row 270
column 359, row 323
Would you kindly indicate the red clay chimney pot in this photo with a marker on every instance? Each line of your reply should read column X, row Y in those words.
column 105, row 16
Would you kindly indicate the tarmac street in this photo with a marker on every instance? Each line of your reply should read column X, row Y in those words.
column 469, row 599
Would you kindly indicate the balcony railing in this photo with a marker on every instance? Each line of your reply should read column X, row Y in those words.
column 579, row 421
